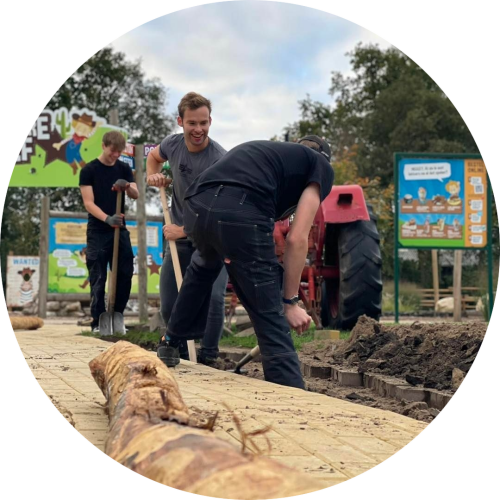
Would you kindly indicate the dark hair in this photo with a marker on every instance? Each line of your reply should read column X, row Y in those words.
column 318, row 144
column 193, row 101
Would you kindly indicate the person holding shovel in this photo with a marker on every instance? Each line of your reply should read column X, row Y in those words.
column 100, row 180
column 189, row 154
column 230, row 211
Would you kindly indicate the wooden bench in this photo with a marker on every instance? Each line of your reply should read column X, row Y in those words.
column 470, row 296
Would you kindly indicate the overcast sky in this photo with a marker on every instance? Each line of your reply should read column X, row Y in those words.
column 253, row 60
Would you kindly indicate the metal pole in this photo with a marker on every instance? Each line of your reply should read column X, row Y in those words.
column 489, row 249
column 142, row 256
column 396, row 240
column 457, row 286
column 44, row 258
column 435, row 277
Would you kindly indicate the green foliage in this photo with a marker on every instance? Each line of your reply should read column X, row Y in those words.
column 389, row 104
column 409, row 298
column 108, row 81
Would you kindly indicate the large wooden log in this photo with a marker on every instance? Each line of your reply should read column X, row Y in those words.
column 153, row 433
column 25, row 322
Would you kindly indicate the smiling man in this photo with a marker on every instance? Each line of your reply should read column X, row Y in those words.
column 188, row 154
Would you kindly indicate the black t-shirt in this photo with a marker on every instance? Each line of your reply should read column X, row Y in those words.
column 102, row 177
column 275, row 172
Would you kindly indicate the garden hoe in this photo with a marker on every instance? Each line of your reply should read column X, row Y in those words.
column 111, row 322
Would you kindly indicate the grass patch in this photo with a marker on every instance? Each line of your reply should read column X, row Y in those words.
column 144, row 339
column 298, row 340
column 149, row 340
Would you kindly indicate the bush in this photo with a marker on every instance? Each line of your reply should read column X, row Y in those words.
column 409, row 298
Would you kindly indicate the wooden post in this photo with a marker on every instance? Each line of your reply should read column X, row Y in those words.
column 113, row 117
column 457, row 286
column 435, row 277
column 142, row 256
column 44, row 258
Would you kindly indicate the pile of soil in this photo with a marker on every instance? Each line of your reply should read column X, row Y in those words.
column 423, row 354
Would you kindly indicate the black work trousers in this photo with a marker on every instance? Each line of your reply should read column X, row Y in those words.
column 99, row 256
column 225, row 223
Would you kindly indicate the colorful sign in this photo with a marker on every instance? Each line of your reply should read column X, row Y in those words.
column 128, row 156
column 148, row 148
column 22, row 280
column 67, row 255
column 60, row 143
column 442, row 202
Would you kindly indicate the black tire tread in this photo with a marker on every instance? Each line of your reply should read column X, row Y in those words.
column 360, row 283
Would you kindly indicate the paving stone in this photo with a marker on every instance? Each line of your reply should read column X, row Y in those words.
column 350, row 378
column 369, row 445
column 310, row 431
column 410, row 394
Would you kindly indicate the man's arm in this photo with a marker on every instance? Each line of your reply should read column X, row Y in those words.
column 296, row 253
column 154, row 163
column 92, row 208
column 132, row 191
column 155, row 178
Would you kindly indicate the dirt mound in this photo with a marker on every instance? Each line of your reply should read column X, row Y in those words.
column 425, row 354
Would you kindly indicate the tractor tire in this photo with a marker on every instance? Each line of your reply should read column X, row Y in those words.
column 355, row 248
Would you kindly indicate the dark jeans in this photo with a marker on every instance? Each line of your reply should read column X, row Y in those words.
column 225, row 223
column 168, row 296
column 99, row 256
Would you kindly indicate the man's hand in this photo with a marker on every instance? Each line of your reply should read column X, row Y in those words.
column 173, row 232
column 120, row 185
column 115, row 220
column 158, row 180
column 297, row 318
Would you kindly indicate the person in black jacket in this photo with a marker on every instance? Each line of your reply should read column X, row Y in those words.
column 230, row 211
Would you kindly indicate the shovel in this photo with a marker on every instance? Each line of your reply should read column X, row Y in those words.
column 246, row 359
column 111, row 322
column 176, row 263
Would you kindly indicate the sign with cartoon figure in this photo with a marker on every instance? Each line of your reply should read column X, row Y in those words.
column 60, row 143
column 442, row 202
column 67, row 255
column 22, row 280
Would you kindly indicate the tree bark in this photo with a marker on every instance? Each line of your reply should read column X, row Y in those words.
column 25, row 322
column 152, row 432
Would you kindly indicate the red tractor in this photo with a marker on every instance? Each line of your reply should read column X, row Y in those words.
column 342, row 278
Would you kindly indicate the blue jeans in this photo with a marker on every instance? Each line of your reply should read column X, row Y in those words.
column 226, row 223
column 168, row 295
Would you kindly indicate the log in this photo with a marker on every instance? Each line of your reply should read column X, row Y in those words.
column 152, row 432
column 25, row 322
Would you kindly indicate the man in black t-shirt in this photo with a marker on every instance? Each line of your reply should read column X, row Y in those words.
column 99, row 182
column 230, row 211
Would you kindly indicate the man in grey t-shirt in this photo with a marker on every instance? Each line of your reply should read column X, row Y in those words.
column 188, row 154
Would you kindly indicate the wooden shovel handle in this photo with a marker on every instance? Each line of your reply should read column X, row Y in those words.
column 176, row 263
column 114, row 263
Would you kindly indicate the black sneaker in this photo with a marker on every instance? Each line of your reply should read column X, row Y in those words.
column 168, row 354
column 207, row 361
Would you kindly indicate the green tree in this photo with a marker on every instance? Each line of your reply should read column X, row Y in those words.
column 109, row 81
column 104, row 82
column 389, row 104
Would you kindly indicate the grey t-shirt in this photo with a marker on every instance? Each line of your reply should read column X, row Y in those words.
column 186, row 167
